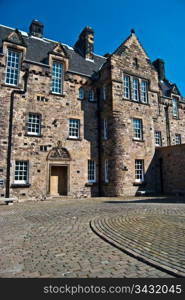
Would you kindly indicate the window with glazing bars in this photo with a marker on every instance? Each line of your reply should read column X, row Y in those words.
column 137, row 124
column 158, row 141
column 144, row 91
column 74, row 128
column 126, row 87
column 12, row 68
column 34, row 124
column 91, row 171
column 21, row 172
column 135, row 89
column 91, row 95
column 81, row 93
column 139, row 170
column 57, row 77
column 175, row 107
column 177, row 139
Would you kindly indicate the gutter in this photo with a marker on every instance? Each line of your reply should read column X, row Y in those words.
column 10, row 132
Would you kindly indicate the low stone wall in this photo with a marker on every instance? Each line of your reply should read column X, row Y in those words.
column 171, row 160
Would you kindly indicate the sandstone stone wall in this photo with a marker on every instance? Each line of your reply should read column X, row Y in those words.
column 171, row 161
column 55, row 115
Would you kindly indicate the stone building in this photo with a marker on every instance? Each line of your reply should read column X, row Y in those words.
column 79, row 124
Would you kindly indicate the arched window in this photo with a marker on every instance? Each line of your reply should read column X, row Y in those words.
column 81, row 93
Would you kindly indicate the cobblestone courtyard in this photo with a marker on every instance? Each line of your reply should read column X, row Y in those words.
column 54, row 238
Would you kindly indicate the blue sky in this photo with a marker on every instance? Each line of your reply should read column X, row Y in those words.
column 159, row 25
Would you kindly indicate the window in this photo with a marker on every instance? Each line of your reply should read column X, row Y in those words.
column 91, row 95
column 34, row 124
column 91, row 171
column 12, row 68
column 158, row 141
column 126, row 87
column 21, row 172
column 105, row 129
column 137, row 124
column 175, row 108
column 74, row 128
column 106, row 170
column 104, row 92
column 42, row 99
column 135, row 89
column 139, row 170
column 81, row 93
column 177, row 139
column 43, row 148
column 57, row 77
column 144, row 91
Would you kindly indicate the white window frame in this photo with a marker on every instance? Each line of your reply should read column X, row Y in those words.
column 126, row 86
column 106, row 170
column 57, row 77
column 177, row 139
column 138, row 130
column 105, row 129
column 175, row 107
column 158, row 140
column 144, row 91
column 91, row 95
column 139, row 170
column 135, row 85
column 91, row 170
column 81, row 93
column 21, row 170
column 74, row 128
column 12, row 68
column 32, row 124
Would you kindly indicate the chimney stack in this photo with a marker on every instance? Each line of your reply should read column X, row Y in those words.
column 36, row 28
column 85, row 44
column 159, row 65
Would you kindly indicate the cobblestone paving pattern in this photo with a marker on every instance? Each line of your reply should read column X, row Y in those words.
column 152, row 235
column 54, row 239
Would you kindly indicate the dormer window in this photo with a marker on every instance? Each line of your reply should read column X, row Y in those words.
column 81, row 93
column 91, row 95
column 57, row 78
column 12, row 68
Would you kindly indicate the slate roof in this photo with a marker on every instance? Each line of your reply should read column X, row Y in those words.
column 38, row 49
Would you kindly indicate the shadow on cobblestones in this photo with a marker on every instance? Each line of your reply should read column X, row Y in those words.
column 158, row 200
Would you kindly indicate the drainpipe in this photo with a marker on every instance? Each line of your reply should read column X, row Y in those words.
column 99, row 143
column 167, row 125
column 10, row 131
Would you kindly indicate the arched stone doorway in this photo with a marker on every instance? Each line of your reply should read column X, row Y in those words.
column 58, row 166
